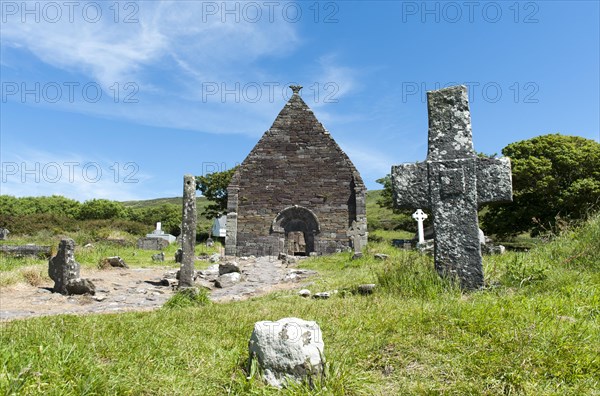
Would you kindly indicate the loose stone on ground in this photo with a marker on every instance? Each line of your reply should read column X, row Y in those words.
column 289, row 349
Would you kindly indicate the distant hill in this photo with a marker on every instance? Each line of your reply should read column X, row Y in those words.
column 200, row 202
column 383, row 218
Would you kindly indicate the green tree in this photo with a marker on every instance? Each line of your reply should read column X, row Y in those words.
column 214, row 187
column 56, row 205
column 169, row 215
column 386, row 199
column 97, row 209
column 553, row 176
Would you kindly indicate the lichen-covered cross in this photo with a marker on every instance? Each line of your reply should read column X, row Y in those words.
column 452, row 182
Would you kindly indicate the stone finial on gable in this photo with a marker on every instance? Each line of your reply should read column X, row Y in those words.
column 296, row 89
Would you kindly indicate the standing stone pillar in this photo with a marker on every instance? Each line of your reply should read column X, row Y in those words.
column 188, row 232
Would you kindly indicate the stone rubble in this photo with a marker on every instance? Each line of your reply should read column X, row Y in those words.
column 114, row 262
column 229, row 267
column 366, row 289
column 80, row 286
column 228, row 279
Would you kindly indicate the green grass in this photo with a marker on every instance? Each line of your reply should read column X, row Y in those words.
column 186, row 298
column 534, row 330
column 378, row 217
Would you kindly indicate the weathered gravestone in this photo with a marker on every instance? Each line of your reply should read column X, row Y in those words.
column 453, row 182
column 157, row 240
column 152, row 244
column 62, row 268
column 64, row 271
column 358, row 236
column 178, row 255
column 4, row 234
column 188, row 232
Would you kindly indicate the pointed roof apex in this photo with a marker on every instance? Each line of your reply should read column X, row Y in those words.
column 296, row 89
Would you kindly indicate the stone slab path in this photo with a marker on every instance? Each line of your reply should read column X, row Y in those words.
column 140, row 289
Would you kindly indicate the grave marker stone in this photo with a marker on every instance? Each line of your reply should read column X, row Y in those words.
column 453, row 182
column 358, row 236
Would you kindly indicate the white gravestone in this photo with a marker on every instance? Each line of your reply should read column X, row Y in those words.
column 159, row 233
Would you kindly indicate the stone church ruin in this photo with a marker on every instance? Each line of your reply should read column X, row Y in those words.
column 296, row 193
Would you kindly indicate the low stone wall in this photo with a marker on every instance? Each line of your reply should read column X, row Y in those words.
column 26, row 250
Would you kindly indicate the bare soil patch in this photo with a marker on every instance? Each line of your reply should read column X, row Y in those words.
column 140, row 289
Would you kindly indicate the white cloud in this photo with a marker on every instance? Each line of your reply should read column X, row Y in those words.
column 112, row 51
column 36, row 173
column 173, row 49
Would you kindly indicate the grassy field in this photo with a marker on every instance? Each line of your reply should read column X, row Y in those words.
column 534, row 330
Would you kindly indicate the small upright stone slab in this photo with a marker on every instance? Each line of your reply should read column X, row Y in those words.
column 188, row 232
column 4, row 234
column 358, row 236
column 63, row 268
column 453, row 182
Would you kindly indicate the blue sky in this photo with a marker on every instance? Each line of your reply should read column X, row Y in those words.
column 118, row 100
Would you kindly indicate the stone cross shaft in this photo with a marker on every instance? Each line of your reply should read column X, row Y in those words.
column 420, row 217
column 188, row 232
column 452, row 182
